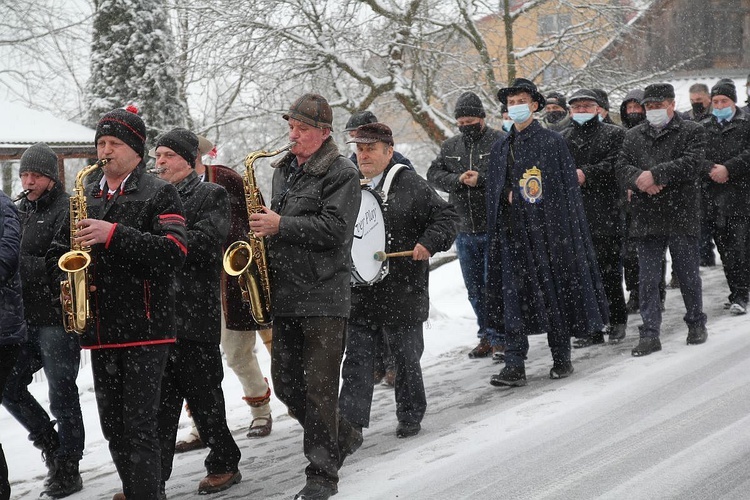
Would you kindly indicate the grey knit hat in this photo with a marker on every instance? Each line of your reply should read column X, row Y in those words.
column 41, row 159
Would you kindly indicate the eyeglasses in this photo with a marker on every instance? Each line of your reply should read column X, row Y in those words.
column 581, row 106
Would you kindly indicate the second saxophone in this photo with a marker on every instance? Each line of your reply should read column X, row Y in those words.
column 247, row 259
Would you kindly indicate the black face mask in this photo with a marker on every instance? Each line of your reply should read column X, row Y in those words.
column 634, row 119
column 698, row 108
column 472, row 132
column 556, row 116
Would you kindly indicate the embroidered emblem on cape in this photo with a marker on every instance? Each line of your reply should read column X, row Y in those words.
column 531, row 185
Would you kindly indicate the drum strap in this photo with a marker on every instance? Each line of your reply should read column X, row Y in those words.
column 389, row 179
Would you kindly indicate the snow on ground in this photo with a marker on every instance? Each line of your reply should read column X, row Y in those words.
column 670, row 425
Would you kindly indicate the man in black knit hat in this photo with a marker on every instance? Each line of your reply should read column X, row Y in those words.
column 43, row 212
column 727, row 175
column 556, row 115
column 194, row 369
column 460, row 170
column 136, row 232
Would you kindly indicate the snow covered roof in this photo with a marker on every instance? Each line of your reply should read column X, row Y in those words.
column 21, row 126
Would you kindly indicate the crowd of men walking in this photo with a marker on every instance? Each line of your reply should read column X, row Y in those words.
column 548, row 215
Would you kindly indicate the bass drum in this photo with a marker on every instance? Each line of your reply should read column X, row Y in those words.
column 369, row 237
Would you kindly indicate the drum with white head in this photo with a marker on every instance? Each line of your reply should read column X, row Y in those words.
column 369, row 237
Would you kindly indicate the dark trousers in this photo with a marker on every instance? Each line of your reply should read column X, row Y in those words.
column 194, row 373
column 471, row 250
column 608, row 256
column 127, row 382
column 733, row 241
column 517, row 347
column 8, row 356
column 631, row 271
column 58, row 352
column 305, row 367
column 685, row 263
column 407, row 345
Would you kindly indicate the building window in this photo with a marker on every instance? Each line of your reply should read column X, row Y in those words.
column 553, row 24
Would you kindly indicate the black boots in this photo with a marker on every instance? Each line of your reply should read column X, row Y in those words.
column 65, row 481
column 48, row 443
column 646, row 346
column 697, row 334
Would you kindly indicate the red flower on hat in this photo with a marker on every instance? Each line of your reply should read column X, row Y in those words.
column 213, row 153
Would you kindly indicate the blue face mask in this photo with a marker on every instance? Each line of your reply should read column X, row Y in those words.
column 519, row 113
column 723, row 113
column 507, row 125
column 601, row 118
column 581, row 118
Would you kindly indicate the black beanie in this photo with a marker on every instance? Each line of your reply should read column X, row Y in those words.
column 557, row 98
column 358, row 119
column 469, row 104
column 126, row 125
column 41, row 159
column 603, row 98
column 725, row 87
column 181, row 141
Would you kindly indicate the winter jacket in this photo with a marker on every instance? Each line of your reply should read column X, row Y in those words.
column 414, row 213
column 310, row 255
column 729, row 145
column 456, row 157
column 41, row 220
column 134, row 270
column 595, row 146
column 198, row 282
column 674, row 155
column 237, row 315
column 542, row 271
column 12, row 324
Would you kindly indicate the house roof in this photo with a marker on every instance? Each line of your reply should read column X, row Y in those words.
column 20, row 127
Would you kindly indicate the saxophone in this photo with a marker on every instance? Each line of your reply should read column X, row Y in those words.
column 247, row 259
column 74, row 291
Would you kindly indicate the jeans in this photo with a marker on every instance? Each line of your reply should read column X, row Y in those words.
column 8, row 356
column 127, row 382
column 58, row 352
column 685, row 263
column 407, row 345
column 471, row 249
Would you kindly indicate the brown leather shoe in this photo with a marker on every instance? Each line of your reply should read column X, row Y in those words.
column 262, row 428
column 119, row 496
column 183, row 446
column 482, row 350
column 390, row 377
column 214, row 483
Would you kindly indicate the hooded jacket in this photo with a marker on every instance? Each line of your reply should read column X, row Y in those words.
column 456, row 157
column 310, row 256
column 635, row 95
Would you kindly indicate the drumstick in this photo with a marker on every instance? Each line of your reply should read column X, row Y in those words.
column 381, row 256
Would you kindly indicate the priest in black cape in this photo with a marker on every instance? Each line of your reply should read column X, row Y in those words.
column 543, row 276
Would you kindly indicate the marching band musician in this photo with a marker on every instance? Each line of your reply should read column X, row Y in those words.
column 194, row 368
column 416, row 218
column 43, row 212
column 238, row 333
column 310, row 228
column 136, row 232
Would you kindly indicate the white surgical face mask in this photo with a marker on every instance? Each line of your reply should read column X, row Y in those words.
column 657, row 117
column 507, row 124
column 582, row 118
column 519, row 113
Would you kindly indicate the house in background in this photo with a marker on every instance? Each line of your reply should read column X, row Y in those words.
column 21, row 127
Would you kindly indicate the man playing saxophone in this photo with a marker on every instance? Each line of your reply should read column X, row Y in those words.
column 310, row 227
column 136, row 232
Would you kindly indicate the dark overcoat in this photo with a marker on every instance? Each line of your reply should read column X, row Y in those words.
column 198, row 282
column 543, row 276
